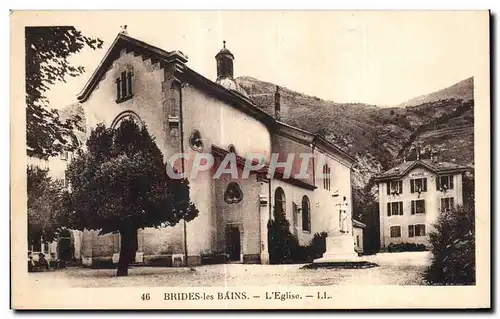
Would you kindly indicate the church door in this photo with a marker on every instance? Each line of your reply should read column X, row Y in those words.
column 233, row 243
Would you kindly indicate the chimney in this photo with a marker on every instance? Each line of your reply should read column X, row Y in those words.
column 277, row 104
column 417, row 150
column 434, row 156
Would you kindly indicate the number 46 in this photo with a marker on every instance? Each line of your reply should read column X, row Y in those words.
column 145, row 296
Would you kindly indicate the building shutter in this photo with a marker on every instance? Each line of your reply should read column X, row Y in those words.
column 412, row 186
column 400, row 187
column 388, row 209
column 424, row 187
column 411, row 229
column 118, row 89
column 452, row 203
column 413, row 207
column 388, row 188
column 400, row 208
column 123, row 81
column 451, row 181
column 438, row 186
column 129, row 83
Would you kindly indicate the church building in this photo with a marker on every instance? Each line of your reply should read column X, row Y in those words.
column 187, row 113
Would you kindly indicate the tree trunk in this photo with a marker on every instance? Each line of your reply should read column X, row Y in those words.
column 128, row 243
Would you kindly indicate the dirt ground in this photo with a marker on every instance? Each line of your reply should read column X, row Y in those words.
column 394, row 269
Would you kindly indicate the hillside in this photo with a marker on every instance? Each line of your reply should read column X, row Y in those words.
column 463, row 90
column 378, row 137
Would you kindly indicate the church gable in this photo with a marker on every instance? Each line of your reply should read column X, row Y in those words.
column 124, row 45
column 131, row 80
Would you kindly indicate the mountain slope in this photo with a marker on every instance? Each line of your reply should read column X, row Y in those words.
column 463, row 90
column 379, row 137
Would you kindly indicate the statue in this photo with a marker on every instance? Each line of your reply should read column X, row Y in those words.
column 341, row 226
column 339, row 242
column 343, row 221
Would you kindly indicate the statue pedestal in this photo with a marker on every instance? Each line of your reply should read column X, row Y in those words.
column 339, row 249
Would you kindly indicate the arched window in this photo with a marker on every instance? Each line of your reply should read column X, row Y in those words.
column 130, row 115
column 279, row 202
column 195, row 141
column 306, row 214
column 326, row 177
column 233, row 193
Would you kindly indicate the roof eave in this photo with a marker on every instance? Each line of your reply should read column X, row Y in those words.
column 461, row 169
column 237, row 100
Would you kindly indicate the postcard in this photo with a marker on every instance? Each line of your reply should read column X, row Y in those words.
column 250, row 160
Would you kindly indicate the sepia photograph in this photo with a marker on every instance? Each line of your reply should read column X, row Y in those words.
column 250, row 159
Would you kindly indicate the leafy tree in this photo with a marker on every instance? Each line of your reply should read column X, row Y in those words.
column 281, row 242
column 47, row 53
column 119, row 185
column 44, row 206
column 317, row 247
column 366, row 210
column 468, row 186
column 453, row 242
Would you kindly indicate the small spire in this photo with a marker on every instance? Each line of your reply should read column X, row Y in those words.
column 224, row 43
column 124, row 29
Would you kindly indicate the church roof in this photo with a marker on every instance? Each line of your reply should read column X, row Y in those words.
column 236, row 98
column 231, row 85
column 434, row 166
column 307, row 138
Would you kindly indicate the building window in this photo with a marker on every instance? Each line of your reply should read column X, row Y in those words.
column 418, row 185
column 124, row 86
column 394, row 208
column 395, row 231
column 447, row 203
column 279, row 201
column 195, row 141
column 418, row 206
column 306, row 214
column 357, row 241
column 326, row 177
column 233, row 193
column 444, row 183
column 64, row 155
column 416, row 230
column 395, row 187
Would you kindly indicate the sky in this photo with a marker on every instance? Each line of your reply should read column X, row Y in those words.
column 373, row 57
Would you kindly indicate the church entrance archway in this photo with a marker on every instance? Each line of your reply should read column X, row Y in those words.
column 233, row 242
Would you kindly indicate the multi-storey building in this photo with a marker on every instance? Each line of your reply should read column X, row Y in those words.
column 412, row 194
